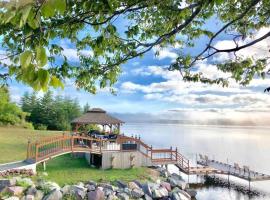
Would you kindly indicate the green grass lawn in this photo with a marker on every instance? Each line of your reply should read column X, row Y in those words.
column 67, row 170
column 13, row 142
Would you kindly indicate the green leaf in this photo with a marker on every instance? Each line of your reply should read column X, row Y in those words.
column 43, row 76
column 47, row 9
column 55, row 82
column 41, row 56
column 25, row 58
column 60, row 5
column 9, row 15
column 25, row 13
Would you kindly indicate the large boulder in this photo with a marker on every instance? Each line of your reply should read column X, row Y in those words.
column 138, row 183
column 166, row 185
column 121, row 184
column 92, row 183
column 137, row 193
column 66, row 189
column 123, row 196
column 38, row 194
column 13, row 198
column 6, row 183
column 147, row 197
column 175, row 182
column 28, row 197
column 107, row 192
column 159, row 193
column 98, row 194
column 91, row 188
column 132, row 185
column 55, row 194
column 192, row 192
column 147, row 189
column 78, row 191
column 178, row 194
column 107, row 186
column 112, row 197
column 15, row 190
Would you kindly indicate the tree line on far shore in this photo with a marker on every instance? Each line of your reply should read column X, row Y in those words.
column 39, row 112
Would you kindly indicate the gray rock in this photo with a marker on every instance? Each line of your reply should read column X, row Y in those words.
column 91, row 187
column 112, row 197
column 166, row 185
column 15, row 190
column 175, row 182
column 96, row 195
column 55, row 194
column 123, row 196
column 108, row 186
column 31, row 191
column 121, row 184
column 147, row 197
column 107, row 192
column 178, row 194
column 192, row 192
column 137, row 193
column 66, row 189
column 177, row 176
column 80, row 184
column 78, row 191
column 138, row 183
column 13, row 198
column 92, row 183
column 5, row 183
column 159, row 193
column 28, row 197
column 39, row 195
column 147, row 189
column 132, row 185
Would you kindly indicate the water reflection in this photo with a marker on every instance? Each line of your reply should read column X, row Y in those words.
column 245, row 145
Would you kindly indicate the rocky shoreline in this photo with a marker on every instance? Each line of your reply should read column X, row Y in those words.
column 167, row 186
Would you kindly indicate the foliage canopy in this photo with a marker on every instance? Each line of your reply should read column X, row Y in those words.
column 30, row 32
column 48, row 112
column 10, row 113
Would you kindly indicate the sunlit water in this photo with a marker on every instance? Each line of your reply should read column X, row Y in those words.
column 244, row 145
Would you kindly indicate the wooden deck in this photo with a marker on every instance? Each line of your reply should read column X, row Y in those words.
column 227, row 169
column 45, row 149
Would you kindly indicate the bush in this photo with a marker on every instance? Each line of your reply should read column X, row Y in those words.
column 40, row 127
column 28, row 125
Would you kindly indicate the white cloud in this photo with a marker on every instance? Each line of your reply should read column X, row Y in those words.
column 258, row 50
column 73, row 55
column 163, row 53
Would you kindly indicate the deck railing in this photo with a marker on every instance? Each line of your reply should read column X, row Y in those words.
column 49, row 147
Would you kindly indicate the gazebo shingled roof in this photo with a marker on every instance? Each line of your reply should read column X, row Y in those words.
column 96, row 116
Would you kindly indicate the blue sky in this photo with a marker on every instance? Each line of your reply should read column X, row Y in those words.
column 146, row 86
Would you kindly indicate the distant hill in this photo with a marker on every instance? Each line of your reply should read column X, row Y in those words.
column 150, row 118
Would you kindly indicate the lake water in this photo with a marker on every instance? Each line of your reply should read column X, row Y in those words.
column 244, row 145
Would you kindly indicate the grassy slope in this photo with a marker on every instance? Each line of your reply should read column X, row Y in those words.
column 68, row 170
column 13, row 142
column 63, row 169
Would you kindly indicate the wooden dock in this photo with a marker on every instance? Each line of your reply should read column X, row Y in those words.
column 234, row 170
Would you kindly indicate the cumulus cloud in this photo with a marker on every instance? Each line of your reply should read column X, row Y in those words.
column 162, row 53
column 73, row 55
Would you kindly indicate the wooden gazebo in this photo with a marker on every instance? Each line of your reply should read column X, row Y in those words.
column 99, row 117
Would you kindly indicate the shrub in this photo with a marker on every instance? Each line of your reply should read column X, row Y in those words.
column 40, row 127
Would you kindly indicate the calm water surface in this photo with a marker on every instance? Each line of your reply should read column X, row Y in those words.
column 245, row 145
